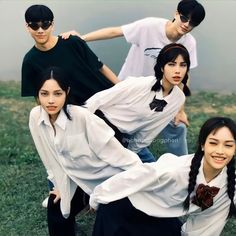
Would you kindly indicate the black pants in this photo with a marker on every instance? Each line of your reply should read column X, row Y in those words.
column 57, row 224
column 120, row 218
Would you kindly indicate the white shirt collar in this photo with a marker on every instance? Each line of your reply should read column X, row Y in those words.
column 168, row 97
column 60, row 121
column 218, row 181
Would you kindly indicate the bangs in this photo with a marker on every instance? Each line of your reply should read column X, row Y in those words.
column 192, row 9
column 171, row 55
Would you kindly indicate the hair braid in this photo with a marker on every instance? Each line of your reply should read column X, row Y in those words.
column 186, row 89
column 194, row 170
column 157, row 86
column 231, row 187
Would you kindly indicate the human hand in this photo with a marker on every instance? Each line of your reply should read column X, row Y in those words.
column 181, row 117
column 92, row 210
column 67, row 34
column 57, row 194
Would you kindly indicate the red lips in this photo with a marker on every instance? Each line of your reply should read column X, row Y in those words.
column 51, row 108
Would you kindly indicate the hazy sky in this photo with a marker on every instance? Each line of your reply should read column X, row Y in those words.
column 215, row 36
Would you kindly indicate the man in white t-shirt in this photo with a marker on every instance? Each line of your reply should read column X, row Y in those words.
column 147, row 37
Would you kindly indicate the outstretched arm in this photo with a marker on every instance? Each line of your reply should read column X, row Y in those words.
column 139, row 178
column 119, row 93
column 39, row 145
column 108, row 73
column 181, row 117
column 107, row 148
column 104, row 33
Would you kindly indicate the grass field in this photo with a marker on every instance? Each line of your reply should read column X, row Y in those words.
column 23, row 184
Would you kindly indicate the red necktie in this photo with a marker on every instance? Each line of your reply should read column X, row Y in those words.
column 204, row 196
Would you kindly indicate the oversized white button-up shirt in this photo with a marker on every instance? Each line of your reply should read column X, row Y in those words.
column 126, row 105
column 160, row 188
column 82, row 151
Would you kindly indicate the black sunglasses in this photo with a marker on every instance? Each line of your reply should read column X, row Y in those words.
column 185, row 19
column 42, row 24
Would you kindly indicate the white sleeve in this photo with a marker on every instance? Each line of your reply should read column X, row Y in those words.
column 123, row 184
column 134, row 31
column 167, row 174
column 39, row 145
column 193, row 54
column 106, row 147
column 114, row 95
column 118, row 156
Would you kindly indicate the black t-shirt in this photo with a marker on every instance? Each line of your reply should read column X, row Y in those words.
column 76, row 58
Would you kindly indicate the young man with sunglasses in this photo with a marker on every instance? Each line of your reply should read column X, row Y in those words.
column 148, row 36
column 88, row 74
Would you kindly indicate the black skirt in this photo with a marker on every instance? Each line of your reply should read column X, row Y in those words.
column 120, row 218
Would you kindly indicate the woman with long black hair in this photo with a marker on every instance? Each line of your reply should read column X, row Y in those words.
column 143, row 200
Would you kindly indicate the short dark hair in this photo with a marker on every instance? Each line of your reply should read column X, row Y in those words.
column 36, row 13
column 192, row 9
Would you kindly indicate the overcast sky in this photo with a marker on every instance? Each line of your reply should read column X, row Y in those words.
column 215, row 36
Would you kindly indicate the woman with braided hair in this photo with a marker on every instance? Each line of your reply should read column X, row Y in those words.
column 142, row 107
column 201, row 186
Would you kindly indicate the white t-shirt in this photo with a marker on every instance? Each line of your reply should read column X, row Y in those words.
column 160, row 188
column 82, row 151
column 148, row 37
column 126, row 105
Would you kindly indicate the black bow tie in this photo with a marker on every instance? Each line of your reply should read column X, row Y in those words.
column 204, row 196
column 157, row 104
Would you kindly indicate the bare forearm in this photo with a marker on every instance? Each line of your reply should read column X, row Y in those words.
column 105, row 33
column 108, row 73
column 181, row 117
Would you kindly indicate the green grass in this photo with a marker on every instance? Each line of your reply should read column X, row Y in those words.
column 23, row 184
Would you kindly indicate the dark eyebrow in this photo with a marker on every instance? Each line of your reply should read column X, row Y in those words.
column 44, row 90
column 214, row 139
column 230, row 141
